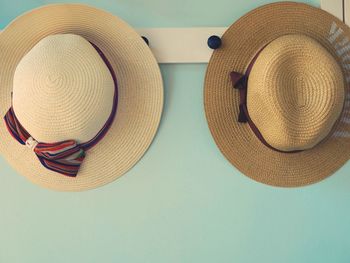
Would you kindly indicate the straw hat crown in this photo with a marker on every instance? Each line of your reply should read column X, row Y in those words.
column 295, row 92
column 62, row 89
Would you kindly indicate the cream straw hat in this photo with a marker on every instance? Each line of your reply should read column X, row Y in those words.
column 277, row 96
column 82, row 90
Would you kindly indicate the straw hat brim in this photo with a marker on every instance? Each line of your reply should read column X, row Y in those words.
column 236, row 141
column 140, row 92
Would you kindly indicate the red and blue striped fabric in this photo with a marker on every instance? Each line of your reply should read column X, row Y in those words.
column 63, row 157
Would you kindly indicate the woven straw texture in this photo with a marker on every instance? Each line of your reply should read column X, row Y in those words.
column 140, row 95
column 316, row 91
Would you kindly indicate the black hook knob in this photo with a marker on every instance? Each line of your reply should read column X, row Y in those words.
column 146, row 40
column 214, row 42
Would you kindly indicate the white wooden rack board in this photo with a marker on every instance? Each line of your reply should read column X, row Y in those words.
column 189, row 45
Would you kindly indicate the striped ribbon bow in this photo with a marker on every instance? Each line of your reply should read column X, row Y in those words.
column 63, row 157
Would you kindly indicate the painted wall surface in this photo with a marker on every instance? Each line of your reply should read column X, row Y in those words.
column 183, row 202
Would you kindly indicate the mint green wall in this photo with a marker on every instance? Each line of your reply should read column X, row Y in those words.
column 183, row 202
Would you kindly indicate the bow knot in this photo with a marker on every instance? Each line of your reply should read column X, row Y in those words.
column 31, row 143
column 240, row 82
column 62, row 157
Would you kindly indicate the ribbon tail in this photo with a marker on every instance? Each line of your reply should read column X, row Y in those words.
column 242, row 116
column 67, row 170
column 14, row 128
column 68, row 163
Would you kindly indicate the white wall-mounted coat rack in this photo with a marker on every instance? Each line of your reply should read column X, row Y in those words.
column 189, row 45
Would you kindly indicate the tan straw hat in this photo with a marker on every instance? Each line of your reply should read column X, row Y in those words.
column 277, row 96
column 79, row 88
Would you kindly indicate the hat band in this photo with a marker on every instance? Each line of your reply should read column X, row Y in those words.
column 240, row 82
column 67, row 156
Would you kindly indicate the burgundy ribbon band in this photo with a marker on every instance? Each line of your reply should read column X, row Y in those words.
column 240, row 82
column 63, row 157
